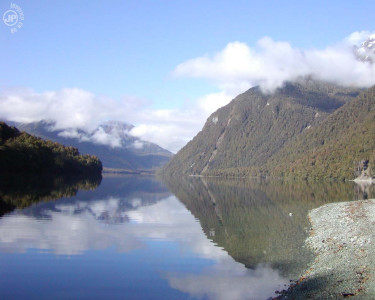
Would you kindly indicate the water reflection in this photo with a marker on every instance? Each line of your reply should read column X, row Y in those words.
column 260, row 222
column 135, row 216
column 211, row 239
column 228, row 280
column 20, row 191
column 71, row 226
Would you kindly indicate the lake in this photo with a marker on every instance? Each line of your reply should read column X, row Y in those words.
column 129, row 237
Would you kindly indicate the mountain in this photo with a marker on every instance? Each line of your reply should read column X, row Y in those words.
column 257, row 133
column 366, row 52
column 111, row 142
column 342, row 146
column 21, row 153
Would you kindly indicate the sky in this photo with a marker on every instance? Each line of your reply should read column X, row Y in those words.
column 165, row 66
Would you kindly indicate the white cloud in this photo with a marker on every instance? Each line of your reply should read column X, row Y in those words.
column 97, row 136
column 234, row 69
column 357, row 38
column 101, row 137
column 234, row 61
column 214, row 101
column 70, row 133
column 171, row 129
column 68, row 108
column 138, row 144
column 78, row 113
column 75, row 111
column 271, row 63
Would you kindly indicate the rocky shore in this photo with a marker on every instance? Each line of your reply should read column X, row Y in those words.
column 342, row 237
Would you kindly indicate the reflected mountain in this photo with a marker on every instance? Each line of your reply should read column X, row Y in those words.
column 144, row 238
column 134, row 238
column 74, row 225
column 23, row 190
column 129, row 192
column 259, row 222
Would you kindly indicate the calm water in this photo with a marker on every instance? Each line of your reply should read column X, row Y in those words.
column 136, row 238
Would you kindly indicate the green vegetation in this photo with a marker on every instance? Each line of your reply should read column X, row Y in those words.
column 336, row 148
column 24, row 153
column 305, row 130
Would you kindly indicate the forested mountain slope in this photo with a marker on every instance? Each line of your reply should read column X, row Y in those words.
column 241, row 138
column 21, row 152
column 342, row 146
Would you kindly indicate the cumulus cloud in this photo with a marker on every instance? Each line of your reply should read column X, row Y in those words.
column 79, row 114
column 68, row 108
column 357, row 37
column 271, row 63
column 75, row 112
column 234, row 69
column 211, row 102
column 101, row 137
column 169, row 128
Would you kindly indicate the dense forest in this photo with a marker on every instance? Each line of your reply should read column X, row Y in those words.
column 304, row 130
column 21, row 152
column 342, row 146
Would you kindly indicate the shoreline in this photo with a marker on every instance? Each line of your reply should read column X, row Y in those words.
column 342, row 239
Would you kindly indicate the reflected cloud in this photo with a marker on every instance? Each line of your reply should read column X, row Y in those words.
column 62, row 233
column 71, row 229
column 128, row 224
column 230, row 283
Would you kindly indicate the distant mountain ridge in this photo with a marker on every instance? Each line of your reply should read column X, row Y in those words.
column 111, row 142
column 260, row 134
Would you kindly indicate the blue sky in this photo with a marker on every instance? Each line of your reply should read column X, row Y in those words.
column 131, row 49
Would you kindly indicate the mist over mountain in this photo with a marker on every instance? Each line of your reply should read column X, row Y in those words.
column 111, row 142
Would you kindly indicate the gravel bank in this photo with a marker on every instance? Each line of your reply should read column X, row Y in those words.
column 342, row 238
